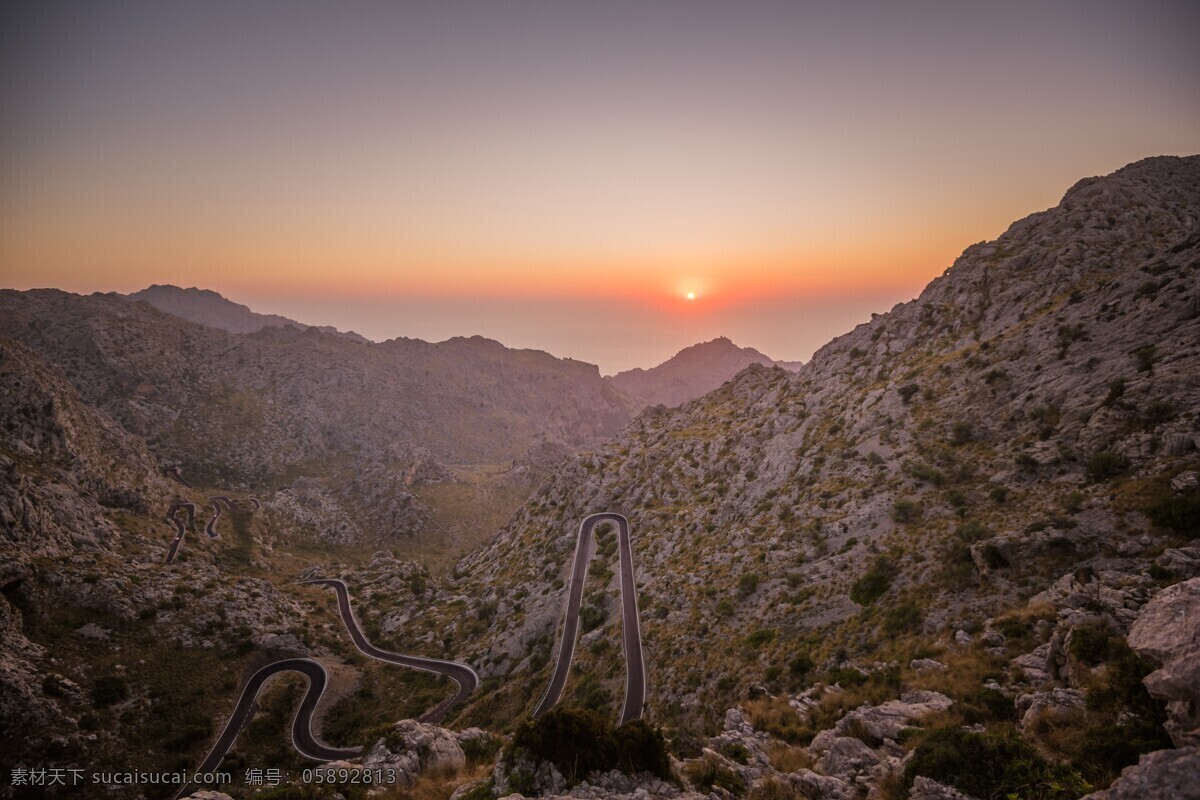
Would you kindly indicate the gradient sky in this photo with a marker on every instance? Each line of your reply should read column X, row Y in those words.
column 558, row 174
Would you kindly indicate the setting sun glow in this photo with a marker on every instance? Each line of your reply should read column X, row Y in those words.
column 691, row 295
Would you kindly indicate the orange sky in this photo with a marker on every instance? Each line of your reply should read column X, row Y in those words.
column 311, row 159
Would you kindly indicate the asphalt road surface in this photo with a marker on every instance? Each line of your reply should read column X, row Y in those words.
column 302, row 736
column 211, row 527
column 635, row 665
column 173, row 517
column 461, row 674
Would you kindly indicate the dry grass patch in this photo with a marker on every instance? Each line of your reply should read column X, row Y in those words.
column 788, row 758
column 437, row 785
column 775, row 715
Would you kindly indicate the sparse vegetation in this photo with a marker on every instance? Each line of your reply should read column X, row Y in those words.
column 874, row 583
column 1105, row 464
column 580, row 742
column 994, row 764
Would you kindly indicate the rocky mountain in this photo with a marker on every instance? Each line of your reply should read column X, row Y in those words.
column 998, row 476
column 258, row 411
column 209, row 308
column 690, row 373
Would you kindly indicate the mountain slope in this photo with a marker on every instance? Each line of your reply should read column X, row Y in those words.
column 690, row 373
column 939, row 466
column 258, row 411
column 207, row 307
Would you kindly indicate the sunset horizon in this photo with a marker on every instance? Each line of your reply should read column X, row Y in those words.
column 481, row 171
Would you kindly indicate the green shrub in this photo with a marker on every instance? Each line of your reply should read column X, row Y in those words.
column 592, row 617
column 1105, row 464
column 999, row 495
column 801, row 665
column 1090, row 644
column 986, row 705
column 641, row 748
column 481, row 749
column 961, row 433
column 575, row 740
column 1104, row 750
column 905, row 511
column 925, row 473
column 1179, row 512
column 994, row 764
column 709, row 772
column 971, row 531
column 993, row 557
column 872, row 585
column 760, row 637
column 579, row 742
column 108, row 690
column 747, row 584
column 1146, row 355
column 1116, row 390
column 1156, row 414
column 902, row 618
column 736, row 752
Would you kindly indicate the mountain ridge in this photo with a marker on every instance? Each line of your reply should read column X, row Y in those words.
column 207, row 307
column 690, row 373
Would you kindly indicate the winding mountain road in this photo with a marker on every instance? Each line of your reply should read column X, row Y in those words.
column 173, row 518
column 461, row 674
column 635, row 665
column 302, row 736
column 211, row 527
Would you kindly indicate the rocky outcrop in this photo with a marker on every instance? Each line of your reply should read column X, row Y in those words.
column 414, row 748
column 1162, row 775
column 1168, row 633
column 63, row 463
column 886, row 721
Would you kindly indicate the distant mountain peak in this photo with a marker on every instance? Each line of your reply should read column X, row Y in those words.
column 206, row 307
column 692, row 372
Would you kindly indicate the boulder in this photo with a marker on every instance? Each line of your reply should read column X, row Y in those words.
column 413, row 748
column 1054, row 703
column 1161, row 775
column 847, row 757
column 1168, row 633
column 885, row 721
column 826, row 787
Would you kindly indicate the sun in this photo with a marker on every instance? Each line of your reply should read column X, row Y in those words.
column 691, row 295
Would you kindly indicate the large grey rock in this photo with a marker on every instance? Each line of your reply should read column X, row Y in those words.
column 1054, row 703
column 1162, row 775
column 413, row 748
column 847, row 757
column 826, row 787
column 1168, row 633
column 885, row 721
